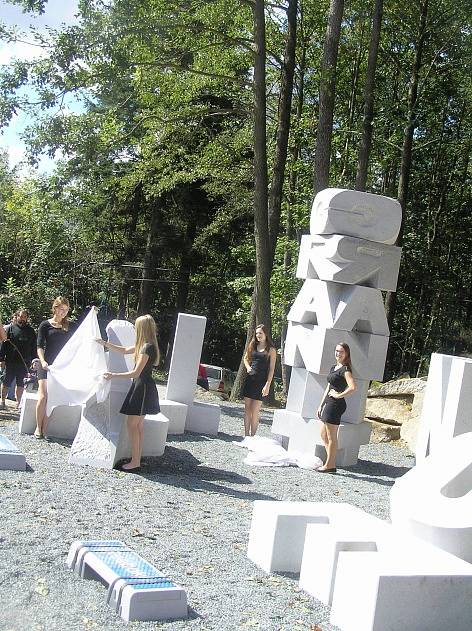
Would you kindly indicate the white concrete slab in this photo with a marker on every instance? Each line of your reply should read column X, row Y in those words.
column 203, row 418
column 63, row 422
column 339, row 306
column 176, row 413
column 355, row 213
column 11, row 458
column 349, row 260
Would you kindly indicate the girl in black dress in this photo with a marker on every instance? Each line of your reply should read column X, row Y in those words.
column 259, row 360
column 53, row 334
column 333, row 405
column 142, row 397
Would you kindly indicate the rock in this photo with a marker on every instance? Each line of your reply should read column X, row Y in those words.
column 392, row 410
column 409, row 430
column 210, row 395
column 383, row 433
column 399, row 386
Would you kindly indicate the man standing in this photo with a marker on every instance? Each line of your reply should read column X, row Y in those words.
column 16, row 354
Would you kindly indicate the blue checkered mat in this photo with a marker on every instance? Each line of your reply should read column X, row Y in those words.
column 129, row 565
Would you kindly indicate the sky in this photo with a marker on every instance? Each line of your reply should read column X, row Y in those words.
column 57, row 12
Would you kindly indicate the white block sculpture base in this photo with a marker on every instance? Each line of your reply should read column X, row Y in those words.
column 102, row 439
column 305, row 437
column 63, row 422
column 176, row 413
column 11, row 458
column 203, row 418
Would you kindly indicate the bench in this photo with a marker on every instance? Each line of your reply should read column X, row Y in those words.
column 63, row 422
column 11, row 457
column 136, row 589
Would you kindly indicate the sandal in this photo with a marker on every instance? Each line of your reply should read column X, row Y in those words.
column 37, row 434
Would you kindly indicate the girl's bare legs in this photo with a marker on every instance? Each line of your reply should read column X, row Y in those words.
column 41, row 419
column 256, row 409
column 332, row 445
column 324, row 438
column 247, row 416
column 135, row 432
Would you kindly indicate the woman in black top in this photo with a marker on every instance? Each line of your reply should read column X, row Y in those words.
column 333, row 405
column 52, row 336
column 259, row 360
column 142, row 397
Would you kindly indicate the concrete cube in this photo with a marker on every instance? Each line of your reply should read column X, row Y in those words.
column 349, row 260
column 11, row 457
column 63, row 422
column 356, row 213
column 176, row 413
column 203, row 418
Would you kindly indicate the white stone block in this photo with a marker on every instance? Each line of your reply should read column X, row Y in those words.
column 349, row 260
column 102, row 439
column 323, row 543
column 186, row 355
column 203, row 418
column 176, row 413
column 136, row 589
column 339, row 306
column 355, row 213
column 306, row 390
column 305, row 437
column 11, row 458
column 277, row 534
column 63, row 422
column 120, row 332
column 411, row 586
column 433, row 500
column 312, row 347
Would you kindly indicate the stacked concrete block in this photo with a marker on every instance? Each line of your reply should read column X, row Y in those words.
column 346, row 261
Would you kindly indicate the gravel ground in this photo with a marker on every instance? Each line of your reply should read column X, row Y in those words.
column 188, row 513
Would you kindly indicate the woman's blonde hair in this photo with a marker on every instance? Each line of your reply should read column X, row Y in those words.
column 57, row 302
column 146, row 333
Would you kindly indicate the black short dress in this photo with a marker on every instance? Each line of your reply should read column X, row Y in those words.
column 333, row 409
column 256, row 379
column 52, row 339
column 142, row 397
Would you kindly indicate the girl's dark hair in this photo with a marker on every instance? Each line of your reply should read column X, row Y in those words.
column 253, row 343
column 347, row 360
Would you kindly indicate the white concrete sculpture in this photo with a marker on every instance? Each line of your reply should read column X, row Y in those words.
column 346, row 261
column 136, row 589
column 63, row 422
column 447, row 403
column 201, row 417
column 11, row 457
column 102, row 437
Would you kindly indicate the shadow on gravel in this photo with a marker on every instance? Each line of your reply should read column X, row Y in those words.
column 374, row 472
column 180, row 468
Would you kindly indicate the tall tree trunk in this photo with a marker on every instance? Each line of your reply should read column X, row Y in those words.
column 147, row 290
column 369, row 88
column 134, row 208
column 407, row 150
column 327, row 92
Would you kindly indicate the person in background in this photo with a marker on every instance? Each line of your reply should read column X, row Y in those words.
column 3, row 333
column 16, row 355
column 340, row 384
column 259, row 360
column 202, row 377
column 142, row 397
column 53, row 334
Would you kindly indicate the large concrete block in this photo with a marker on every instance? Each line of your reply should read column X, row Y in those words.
column 176, row 413
column 186, row 355
column 433, row 500
column 355, row 213
column 349, row 260
column 11, row 458
column 120, row 332
column 312, row 347
column 339, row 306
column 305, row 437
column 203, row 418
column 306, row 390
column 63, row 422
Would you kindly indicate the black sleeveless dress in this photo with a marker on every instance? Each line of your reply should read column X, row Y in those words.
column 333, row 409
column 255, row 382
column 142, row 397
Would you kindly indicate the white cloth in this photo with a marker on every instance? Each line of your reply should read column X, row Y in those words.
column 268, row 452
column 77, row 372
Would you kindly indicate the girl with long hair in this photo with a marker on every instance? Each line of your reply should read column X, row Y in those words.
column 259, row 359
column 340, row 384
column 142, row 397
column 53, row 334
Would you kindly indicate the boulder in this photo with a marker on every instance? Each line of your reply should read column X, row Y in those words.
column 383, row 433
column 410, row 426
column 399, row 387
column 392, row 409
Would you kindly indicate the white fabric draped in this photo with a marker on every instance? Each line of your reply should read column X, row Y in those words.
column 77, row 372
column 268, row 452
